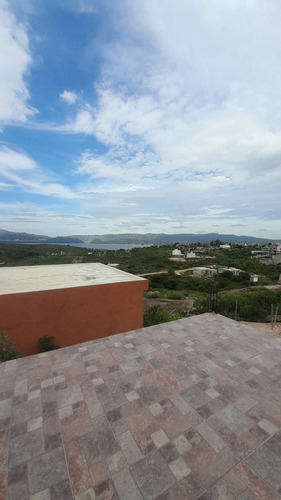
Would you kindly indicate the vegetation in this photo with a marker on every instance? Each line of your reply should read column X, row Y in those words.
column 47, row 344
column 156, row 315
column 7, row 350
column 253, row 303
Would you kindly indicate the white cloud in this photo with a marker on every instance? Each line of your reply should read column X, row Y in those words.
column 23, row 173
column 15, row 60
column 69, row 97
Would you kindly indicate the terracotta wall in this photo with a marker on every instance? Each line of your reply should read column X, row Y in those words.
column 71, row 315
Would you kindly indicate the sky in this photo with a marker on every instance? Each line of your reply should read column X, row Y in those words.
column 124, row 116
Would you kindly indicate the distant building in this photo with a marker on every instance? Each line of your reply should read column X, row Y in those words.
column 225, row 246
column 177, row 253
column 254, row 278
column 233, row 270
column 190, row 255
column 203, row 272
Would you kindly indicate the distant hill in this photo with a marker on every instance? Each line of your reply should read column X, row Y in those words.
column 11, row 237
column 169, row 239
column 128, row 239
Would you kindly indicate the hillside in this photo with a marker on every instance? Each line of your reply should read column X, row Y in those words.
column 127, row 238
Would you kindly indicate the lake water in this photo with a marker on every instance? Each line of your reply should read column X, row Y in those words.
column 102, row 246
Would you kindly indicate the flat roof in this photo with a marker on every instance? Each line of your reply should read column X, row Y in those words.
column 182, row 410
column 23, row 279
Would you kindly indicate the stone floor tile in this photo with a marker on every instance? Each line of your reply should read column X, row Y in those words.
column 182, row 444
column 152, row 475
column 47, row 470
column 179, row 468
column 229, row 487
column 254, row 482
column 69, row 396
column 180, row 403
column 125, row 485
column 41, row 495
column 100, row 442
column 77, row 467
column 268, row 426
column 129, row 447
column 116, row 462
column 205, row 463
column 173, row 422
column 211, row 436
column 266, row 461
column 17, row 483
column 169, row 452
column 106, row 491
column 99, row 472
column 195, row 396
column 86, row 495
column 245, row 403
column 159, row 438
column 77, row 424
column 187, row 489
column 235, row 419
column 155, row 409
column 61, row 491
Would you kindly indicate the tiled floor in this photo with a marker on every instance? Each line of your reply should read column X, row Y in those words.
column 184, row 410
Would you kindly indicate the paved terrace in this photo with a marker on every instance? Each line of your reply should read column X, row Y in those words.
column 184, row 410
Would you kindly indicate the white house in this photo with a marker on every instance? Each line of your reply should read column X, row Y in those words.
column 177, row 253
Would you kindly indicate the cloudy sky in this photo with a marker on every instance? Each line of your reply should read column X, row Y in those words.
column 140, row 116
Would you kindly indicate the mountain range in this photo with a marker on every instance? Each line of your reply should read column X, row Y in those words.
column 127, row 238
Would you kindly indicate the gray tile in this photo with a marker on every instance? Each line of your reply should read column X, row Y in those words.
column 152, row 475
column 47, row 470
column 195, row 396
column 266, row 461
column 126, row 486
column 235, row 420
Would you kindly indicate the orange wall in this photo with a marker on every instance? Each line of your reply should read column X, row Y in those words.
column 71, row 315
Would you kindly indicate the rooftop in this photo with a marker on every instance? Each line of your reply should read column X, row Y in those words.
column 36, row 278
column 183, row 410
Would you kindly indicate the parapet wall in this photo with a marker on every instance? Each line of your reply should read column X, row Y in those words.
column 71, row 315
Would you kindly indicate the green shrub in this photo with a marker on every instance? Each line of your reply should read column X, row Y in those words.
column 156, row 315
column 7, row 350
column 46, row 344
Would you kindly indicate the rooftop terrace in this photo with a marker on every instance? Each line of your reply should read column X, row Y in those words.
column 184, row 410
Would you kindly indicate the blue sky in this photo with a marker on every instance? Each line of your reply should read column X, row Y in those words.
column 140, row 116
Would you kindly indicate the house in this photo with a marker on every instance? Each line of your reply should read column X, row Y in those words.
column 225, row 246
column 69, row 302
column 204, row 272
column 233, row 270
column 191, row 255
column 176, row 253
column 254, row 278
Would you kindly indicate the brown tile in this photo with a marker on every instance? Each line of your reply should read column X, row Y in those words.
column 255, row 483
column 205, row 463
column 77, row 467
